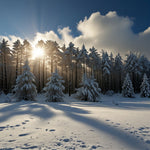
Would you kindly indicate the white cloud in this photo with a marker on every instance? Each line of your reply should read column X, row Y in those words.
column 11, row 39
column 51, row 35
column 110, row 32
column 147, row 31
column 66, row 35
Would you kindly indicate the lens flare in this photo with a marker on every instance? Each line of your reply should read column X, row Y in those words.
column 37, row 52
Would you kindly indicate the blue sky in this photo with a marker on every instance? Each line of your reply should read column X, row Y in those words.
column 113, row 25
column 25, row 17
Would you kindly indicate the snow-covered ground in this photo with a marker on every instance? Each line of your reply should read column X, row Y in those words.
column 115, row 123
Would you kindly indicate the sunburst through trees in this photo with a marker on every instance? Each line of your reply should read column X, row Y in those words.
column 71, row 62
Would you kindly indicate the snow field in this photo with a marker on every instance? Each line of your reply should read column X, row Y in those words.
column 114, row 123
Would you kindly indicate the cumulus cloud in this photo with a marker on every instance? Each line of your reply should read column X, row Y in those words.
column 113, row 33
column 51, row 35
column 110, row 32
column 66, row 35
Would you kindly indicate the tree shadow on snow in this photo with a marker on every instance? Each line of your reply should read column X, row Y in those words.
column 126, row 103
column 116, row 133
column 24, row 108
column 66, row 107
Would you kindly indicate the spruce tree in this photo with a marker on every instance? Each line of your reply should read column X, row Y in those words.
column 25, row 88
column 89, row 90
column 127, row 88
column 54, row 88
column 145, row 87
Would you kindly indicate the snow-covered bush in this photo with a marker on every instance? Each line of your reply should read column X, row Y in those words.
column 54, row 88
column 145, row 87
column 89, row 90
column 127, row 88
column 109, row 92
column 4, row 98
column 25, row 88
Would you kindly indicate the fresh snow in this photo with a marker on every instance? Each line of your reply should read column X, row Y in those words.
column 114, row 123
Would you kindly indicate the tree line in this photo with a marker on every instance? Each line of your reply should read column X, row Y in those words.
column 71, row 63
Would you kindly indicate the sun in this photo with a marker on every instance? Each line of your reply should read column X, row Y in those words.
column 37, row 52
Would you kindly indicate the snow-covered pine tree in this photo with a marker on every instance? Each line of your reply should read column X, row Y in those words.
column 89, row 90
column 145, row 87
column 106, row 69
column 54, row 88
column 95, row 60
column 127, row 88
column 25, row 88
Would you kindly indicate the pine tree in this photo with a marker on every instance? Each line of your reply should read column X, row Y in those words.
column 89, row 90
column 5, row 60
column 127, row 88
column 84, row 57
column 145, row 87
column 95, row 61
column 133, row 67
column 118, row 67
column 17, row 48
column 54, row 88
column 106, row 69
column 25, row 88
column 69, row 56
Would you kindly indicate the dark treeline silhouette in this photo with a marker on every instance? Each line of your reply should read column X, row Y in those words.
column 71, row 63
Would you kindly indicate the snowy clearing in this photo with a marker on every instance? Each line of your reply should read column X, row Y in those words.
column 115, row 123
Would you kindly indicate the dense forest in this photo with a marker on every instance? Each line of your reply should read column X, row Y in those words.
column 71, row 63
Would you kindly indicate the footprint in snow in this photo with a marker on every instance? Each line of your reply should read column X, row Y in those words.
column 69, row 148
column 95, row 147
column 11, row 140
column 29, row 147
column 126, row 129
column 27, row 121
column 2, row 128
column 58, row 144
column 141, row 128
column 52, row 130
column 25, row 134
column 17, row 125
column 83, row 146
column 131, row 132
column 66, row 140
